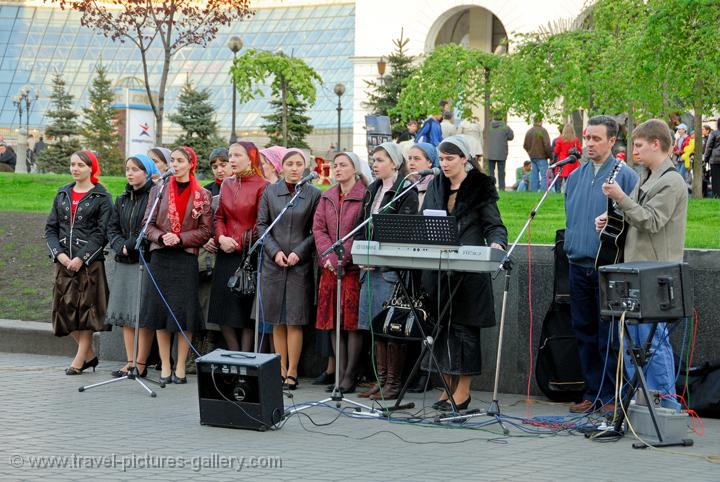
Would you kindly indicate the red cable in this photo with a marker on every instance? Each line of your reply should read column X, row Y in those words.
column 692, row 349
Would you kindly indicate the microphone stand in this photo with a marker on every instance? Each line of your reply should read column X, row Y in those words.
column 339, row 249
column 259, row 243
column 133, row 373
column 506, row 265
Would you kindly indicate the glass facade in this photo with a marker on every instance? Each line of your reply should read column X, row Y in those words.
column 37, row 41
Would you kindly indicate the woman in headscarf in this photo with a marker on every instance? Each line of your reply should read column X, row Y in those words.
column 178, row 228
column 122, row 233
column 339, row 212
column 162, row 159
column 422, row 156
column 271, row 162
column 286, row 283
column 75, row 235
column 235, row 221
column 378, row 283
column 471, row 198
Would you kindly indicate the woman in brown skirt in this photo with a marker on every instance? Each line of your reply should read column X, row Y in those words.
column 75, row 235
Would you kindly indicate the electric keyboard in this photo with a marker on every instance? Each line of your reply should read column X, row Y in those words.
column 472, row 259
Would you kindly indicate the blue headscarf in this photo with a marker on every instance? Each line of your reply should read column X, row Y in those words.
column 148, row 163
column 430, row 152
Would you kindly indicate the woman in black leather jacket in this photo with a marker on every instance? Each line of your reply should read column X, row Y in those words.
column 122, row 233
column 75, row 235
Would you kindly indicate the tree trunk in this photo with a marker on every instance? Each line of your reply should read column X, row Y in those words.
column 630, row 128
column 283, row 93
column 161, row 97
column 486, row 111
column 697, row 163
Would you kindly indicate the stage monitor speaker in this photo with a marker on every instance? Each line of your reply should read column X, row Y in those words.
column 240, row 390
column 646, row 291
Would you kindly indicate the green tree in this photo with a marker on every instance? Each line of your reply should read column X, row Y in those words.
column 298, row 124
column 196, row 117
column 98, row 127
column 292, row 83
column 63, row 127
column 383, row 95
column 678, row 47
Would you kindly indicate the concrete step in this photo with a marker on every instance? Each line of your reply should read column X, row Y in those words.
column 17, row 336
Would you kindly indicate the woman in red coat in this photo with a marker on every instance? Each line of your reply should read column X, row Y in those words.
column 563, row 144
column 179, row 227
column 235, row 219
column 339, row 212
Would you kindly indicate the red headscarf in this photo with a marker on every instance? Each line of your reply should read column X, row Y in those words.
column 178, row 202
column 89, row 158
column 253, row 154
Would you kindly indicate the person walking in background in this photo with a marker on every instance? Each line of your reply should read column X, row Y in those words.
column 8, row 158
column 682, row 139
column 75, row 235
column 496, row 151
column 431, row 131
column 537, row 145
column 563, row 145
column 473, row 135
column 411, row 130
column 712, row 156
column 447, row 126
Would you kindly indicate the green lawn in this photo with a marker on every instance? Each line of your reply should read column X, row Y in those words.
column 35, row 192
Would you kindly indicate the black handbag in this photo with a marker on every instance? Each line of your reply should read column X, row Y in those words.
column 397, row 318
column 244, row 281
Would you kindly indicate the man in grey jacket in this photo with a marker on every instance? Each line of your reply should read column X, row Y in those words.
column 496, row 151
column 656, row 213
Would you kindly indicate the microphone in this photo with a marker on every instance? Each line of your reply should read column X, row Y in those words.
column 307, row 179
column 435, row 171
column 167, row 174
column 568, row 160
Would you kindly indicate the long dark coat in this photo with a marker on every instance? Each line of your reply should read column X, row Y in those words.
column 292, row 286
column 479, row 224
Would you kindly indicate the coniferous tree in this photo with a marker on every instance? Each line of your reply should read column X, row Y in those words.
column 63, row 128
column 383, row 94
column 298, row 124
column 98, row 127
column 196, row 116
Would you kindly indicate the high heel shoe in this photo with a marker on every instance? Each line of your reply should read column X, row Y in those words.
column 121, row 372
column 294, row 385
column 178, row 380
column 446, row 406
column 168, row 379
column 90, row 364
column 71, row 370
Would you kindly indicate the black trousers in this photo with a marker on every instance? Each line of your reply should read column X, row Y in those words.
column 715, row 179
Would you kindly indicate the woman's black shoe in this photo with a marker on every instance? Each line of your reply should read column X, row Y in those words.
column 71, row 370
column 177, row 380
column 350, row 389
column 446, row 407
column 90, row 364
column 292, row 386
column 121, row 372
column 440, row 403
column 324, row 378
column 167, row 380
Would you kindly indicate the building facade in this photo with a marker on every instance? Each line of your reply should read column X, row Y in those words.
column 342, row 40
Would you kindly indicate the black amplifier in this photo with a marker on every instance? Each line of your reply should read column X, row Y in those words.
column 240, row 390
column 647, row 291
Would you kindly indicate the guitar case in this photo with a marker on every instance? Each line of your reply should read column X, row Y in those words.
column 557, row 366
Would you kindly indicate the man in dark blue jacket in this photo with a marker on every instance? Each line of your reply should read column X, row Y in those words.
column 584, row 201
column 430, row 131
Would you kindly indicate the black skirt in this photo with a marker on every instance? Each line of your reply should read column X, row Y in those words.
column 457, row 351
column 176, row 274
column 226, row 308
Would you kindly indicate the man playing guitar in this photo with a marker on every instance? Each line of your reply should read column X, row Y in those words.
column 584, row 201
column 656, row 212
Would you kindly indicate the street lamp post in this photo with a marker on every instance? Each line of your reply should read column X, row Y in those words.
column 381, row 64
column 339, row 91
column 23, row 102
column 235, row 45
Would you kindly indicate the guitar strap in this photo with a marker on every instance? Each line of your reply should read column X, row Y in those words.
column 641, row 194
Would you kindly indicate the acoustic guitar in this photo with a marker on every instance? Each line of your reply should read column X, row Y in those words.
column 612, row 237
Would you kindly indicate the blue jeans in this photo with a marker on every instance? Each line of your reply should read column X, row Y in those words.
column 592, row 335
column 660, row 371
column 537, row 175
column 522, row 186
column 501, row 172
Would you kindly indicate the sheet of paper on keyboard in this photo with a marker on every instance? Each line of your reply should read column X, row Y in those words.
column 434, row 212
